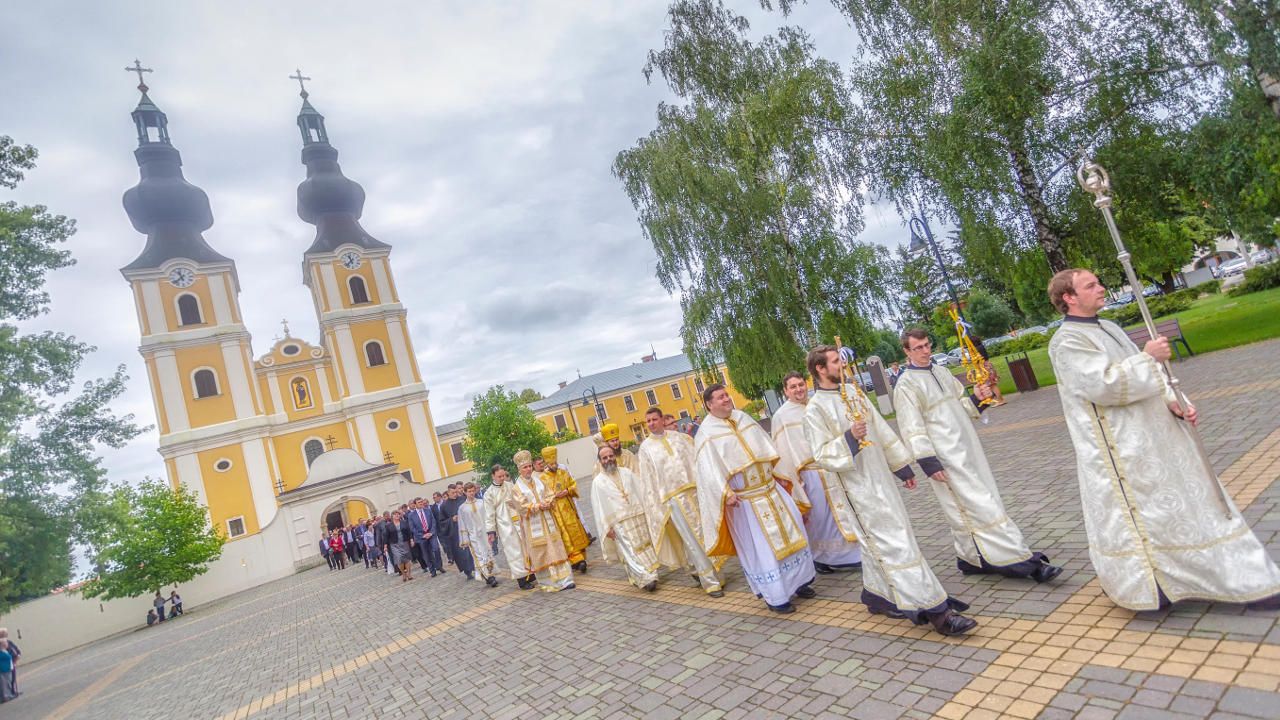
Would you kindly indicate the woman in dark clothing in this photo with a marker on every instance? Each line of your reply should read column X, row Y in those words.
column 398, row 538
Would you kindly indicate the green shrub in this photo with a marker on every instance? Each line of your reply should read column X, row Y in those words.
column 1160, row 307
column 1262, row 277
column 1189, row 293
column 1213, row 287
column 1021, row 343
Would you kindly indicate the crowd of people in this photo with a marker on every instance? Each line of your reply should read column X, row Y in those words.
column 818, row 494
column 157, row 612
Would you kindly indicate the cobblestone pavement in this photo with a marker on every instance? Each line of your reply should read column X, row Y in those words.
column 336, row 644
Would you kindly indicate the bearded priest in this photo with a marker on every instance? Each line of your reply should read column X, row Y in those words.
column 744, row 511
column 565, row 490
column 617, row 504
column 532, row 500
column 829, row 522
column 853, row 443
column 1161, row 528
column 670, row 498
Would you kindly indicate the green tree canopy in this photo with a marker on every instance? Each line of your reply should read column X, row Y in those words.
column 529, row 395
column 989, row 314
column 498, row 426
column 51, row 480
column 156, row 536
column 744, row 191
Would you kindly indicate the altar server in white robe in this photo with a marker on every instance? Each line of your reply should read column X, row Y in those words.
column 744, row 511
column 935, row 417
column 670, row 499
column 501, row 522
column 473, row 536
column 829, row 522
column 853, row 443
column 1160, row 527
column 617, row 504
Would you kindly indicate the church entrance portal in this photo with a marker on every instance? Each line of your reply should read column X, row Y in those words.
column 334, row 520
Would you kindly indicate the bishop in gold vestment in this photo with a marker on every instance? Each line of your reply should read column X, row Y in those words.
column 565, row 490
column 531, row 499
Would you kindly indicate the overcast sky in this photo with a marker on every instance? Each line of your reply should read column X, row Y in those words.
column 482, row 132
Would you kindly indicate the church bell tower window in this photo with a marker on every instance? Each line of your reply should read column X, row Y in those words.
column 206, row 383
column 189, row 310
column 359, row 293
column 312, row 449
column 373, row 352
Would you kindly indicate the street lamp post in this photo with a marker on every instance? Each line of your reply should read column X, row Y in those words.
column 595, row 405
column 921, row 240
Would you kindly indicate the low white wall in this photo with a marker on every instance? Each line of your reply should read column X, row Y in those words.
column 49, row 625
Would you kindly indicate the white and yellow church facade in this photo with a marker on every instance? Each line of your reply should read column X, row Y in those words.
column 245, row 432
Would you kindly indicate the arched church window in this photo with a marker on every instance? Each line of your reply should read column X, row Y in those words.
column 359, row 293
column 312, row 449
column 301, row 391
column 373, row 351
column 189, row 310
column 206, row 383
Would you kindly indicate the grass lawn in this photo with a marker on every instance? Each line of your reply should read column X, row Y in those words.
column 1211, row 323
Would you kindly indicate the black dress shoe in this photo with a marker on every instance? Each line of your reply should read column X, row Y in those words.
column 524, row 584
column 580, row 566
column 651, row 587
column 716, row 593
column 823, row 568
column 1046, row 572
column 783, row 609
column 806, row 592
column 955, row 624
column 895, row 614
column 968, row 568
column 491, row 581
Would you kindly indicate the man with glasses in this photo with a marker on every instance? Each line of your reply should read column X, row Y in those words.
column 935, row 417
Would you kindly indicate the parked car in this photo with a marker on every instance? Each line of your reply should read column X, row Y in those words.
column 1236, row 266
column 1055, row 323
column 1262, row 257
column 942, row 359
column 1151, row 291
column 956, row 356
column 1034, row 330
column 1119, row 302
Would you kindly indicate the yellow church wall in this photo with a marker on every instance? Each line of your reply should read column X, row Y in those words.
column 228, row 492
column 365, row 271
column 289, row 454
column 285, row 381
column 399, row 442
column 356, row 511
column 208, row 410
column 380, row 377
column 200, row 288
column 162, row 419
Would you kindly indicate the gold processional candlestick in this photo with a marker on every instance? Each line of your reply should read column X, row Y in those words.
column 851, row 407
column 975, row 367
column 1094, row 180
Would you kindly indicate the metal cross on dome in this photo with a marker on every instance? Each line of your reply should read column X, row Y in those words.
column 300, row 78
column 285, row 324
column 137, row 68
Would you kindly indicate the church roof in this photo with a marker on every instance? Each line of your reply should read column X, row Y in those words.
column 607, row 382
column 336, row 465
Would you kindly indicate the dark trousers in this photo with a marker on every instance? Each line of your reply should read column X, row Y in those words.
column 328, row 557
column 351, row 553
column 431, row 554
column 461, row 558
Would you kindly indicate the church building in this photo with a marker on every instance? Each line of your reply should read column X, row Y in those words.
column 243, row 431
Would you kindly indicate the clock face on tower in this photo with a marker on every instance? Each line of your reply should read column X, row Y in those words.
column 181, row 277
column 350, row 260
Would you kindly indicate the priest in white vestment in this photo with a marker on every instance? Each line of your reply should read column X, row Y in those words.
column 670, row 499
column 829, row 521
column 853, row 443
column 744, row 511
column 473, row 536
column 618, row 506
column 935, row 418
column 544, row 550
column 502, row 522
column 1160, row 526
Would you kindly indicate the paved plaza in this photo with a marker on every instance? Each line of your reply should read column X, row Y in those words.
column 357, row 643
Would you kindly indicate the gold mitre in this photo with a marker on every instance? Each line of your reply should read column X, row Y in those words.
column 522, row 457
column 549, row 454
column 609, row 431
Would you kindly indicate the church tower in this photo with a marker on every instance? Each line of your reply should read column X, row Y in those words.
column 362, row 323
column 210, row 413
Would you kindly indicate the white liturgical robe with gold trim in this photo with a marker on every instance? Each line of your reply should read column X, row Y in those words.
column 1151, row 512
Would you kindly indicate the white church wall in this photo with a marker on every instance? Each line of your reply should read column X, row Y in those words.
column 55, row 623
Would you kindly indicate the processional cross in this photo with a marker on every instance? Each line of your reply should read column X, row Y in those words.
column 137, row 68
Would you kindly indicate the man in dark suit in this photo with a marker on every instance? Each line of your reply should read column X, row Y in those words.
column 422, row 522
column 435, row 507
column 449, row 532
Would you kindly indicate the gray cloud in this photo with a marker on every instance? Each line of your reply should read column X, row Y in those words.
column 483, row 134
